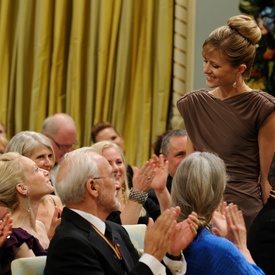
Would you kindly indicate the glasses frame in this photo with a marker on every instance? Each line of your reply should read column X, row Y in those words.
column 112, row 177
column 62, row 146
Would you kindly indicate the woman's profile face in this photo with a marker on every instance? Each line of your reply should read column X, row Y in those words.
column 218, row 70
column 37, row 179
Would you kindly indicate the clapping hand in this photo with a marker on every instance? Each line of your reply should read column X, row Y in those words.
column 236, row 230
column 5, row 228
column 143, row 177
column 184, row 234
column 219, row 225
column 160, row 173
column 159, row 233
column 56, row 220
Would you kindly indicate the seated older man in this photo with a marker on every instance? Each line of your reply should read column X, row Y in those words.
column 85, row 244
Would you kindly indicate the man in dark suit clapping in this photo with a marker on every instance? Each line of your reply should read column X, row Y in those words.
column 85, row 244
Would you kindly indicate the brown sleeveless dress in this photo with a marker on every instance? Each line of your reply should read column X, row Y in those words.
column 230, row 128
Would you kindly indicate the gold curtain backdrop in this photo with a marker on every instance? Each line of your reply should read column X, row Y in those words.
column 93, row 59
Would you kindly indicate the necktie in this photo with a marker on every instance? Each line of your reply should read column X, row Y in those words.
column 108, row 234
column 109, row 240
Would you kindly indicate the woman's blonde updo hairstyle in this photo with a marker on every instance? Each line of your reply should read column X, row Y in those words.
column 236, row 42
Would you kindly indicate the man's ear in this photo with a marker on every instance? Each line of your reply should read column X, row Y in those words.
column 22, row 188
column 92, row 187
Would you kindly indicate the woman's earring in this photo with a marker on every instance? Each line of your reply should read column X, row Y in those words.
column 235, row 83
column 28, row 203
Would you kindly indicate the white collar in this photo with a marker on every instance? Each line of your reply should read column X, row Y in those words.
column 95, row 221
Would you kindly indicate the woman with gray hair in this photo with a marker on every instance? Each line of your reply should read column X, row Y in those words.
column 198, row 186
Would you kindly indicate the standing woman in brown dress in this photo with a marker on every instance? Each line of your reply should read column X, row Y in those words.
column 231, row 119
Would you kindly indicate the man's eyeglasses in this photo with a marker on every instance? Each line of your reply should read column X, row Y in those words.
column 112, row 176
column 63, row 146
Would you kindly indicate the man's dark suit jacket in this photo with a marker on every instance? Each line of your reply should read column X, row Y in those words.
column 77, row 248
column 261, row 238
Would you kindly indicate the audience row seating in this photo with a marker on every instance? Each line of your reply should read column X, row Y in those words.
column 36, row 265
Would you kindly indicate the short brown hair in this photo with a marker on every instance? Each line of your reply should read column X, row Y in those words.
column 99, row 127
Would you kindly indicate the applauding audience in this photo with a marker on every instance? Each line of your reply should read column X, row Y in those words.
column 85, row 244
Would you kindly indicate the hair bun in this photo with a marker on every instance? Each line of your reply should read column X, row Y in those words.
column 245, row 26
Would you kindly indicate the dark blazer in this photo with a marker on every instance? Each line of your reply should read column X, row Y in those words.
column 261, row 238
column 77, row 248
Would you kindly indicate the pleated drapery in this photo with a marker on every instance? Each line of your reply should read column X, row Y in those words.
column 93, row 59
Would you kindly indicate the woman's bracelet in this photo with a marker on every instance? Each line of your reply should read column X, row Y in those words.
column 138, row 196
